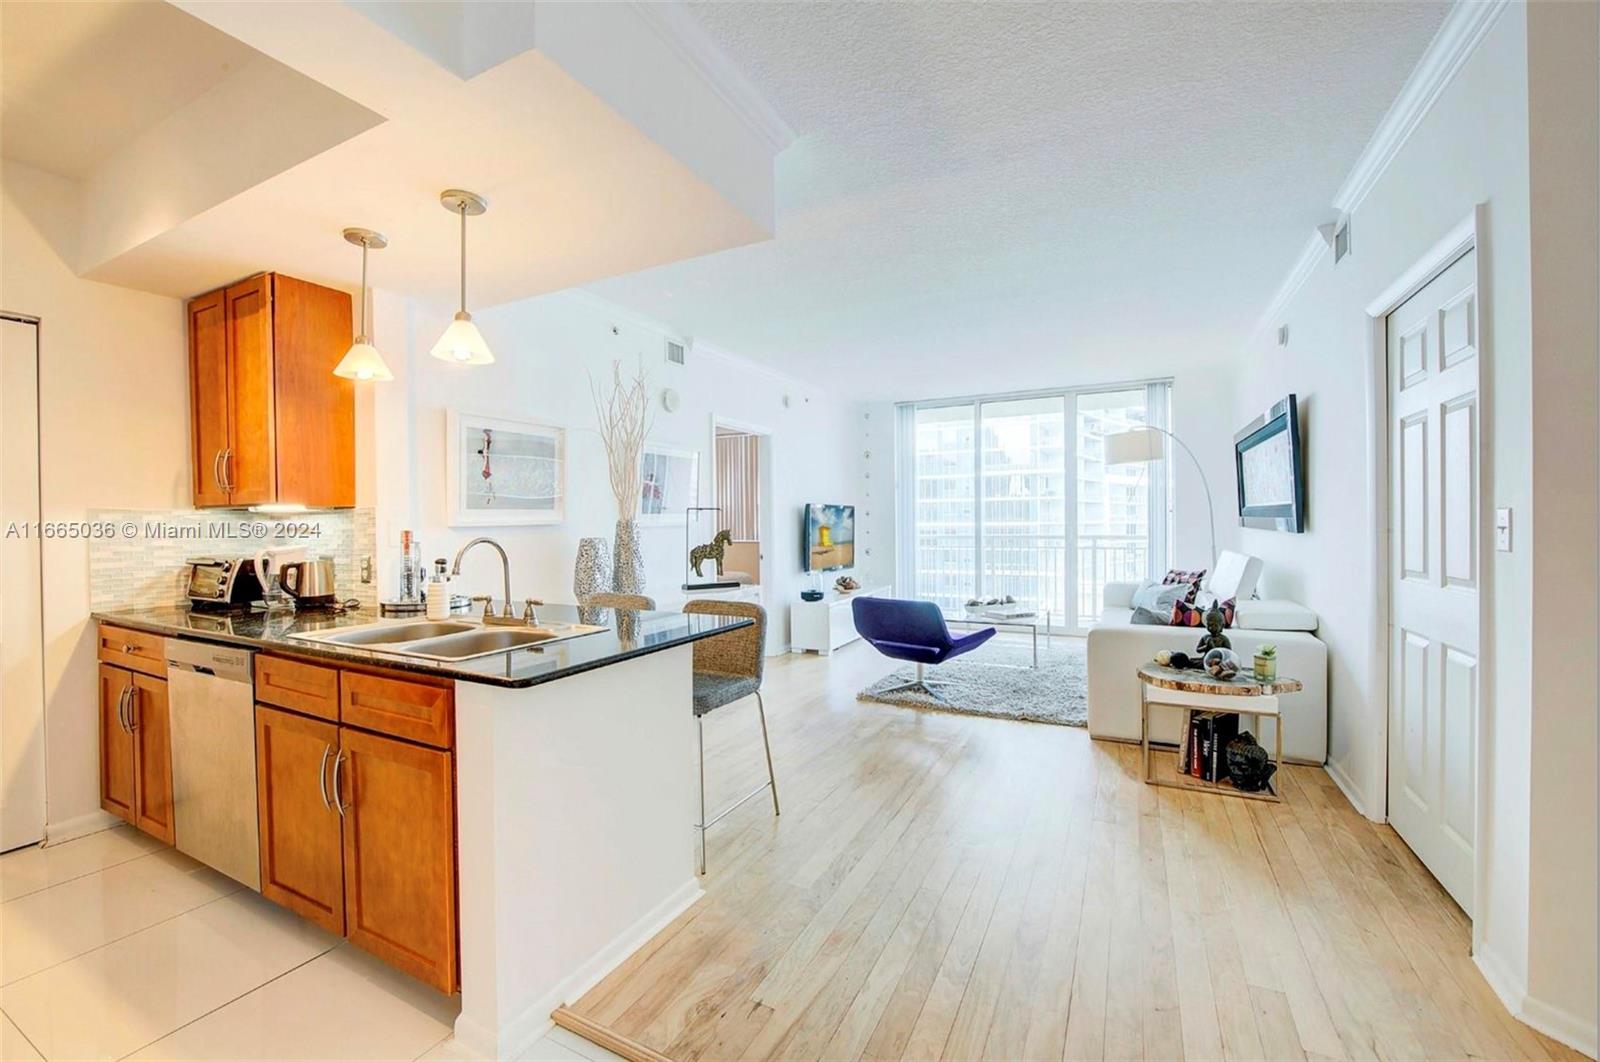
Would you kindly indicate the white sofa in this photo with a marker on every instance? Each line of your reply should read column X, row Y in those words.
column 1117, row 647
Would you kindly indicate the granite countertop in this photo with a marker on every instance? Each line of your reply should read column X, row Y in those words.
column 629, row 634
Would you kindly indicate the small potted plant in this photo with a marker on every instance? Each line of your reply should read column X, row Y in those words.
column 1267, row 663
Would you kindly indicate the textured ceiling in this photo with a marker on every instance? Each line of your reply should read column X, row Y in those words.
column 990, row 197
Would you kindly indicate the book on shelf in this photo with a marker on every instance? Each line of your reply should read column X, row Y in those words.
column 1203, row 744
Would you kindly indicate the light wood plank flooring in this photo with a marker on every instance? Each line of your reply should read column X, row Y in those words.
column 942, row 886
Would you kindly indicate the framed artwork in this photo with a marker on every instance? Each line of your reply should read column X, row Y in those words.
column 503, row 472
column 671, row 484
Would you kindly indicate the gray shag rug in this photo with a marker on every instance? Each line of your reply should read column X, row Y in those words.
column 1057, row 692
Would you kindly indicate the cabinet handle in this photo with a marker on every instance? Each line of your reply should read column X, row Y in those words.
column 322, row 776
column 133, row 708
column 216, row 472
column 123, row 713
column 338, row 801
column 227, row 469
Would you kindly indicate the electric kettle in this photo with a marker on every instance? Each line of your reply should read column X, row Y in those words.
column 308, row 582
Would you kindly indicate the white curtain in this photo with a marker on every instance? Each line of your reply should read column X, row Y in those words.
column 1158, row 409
column 739, row 485
column 905, row 493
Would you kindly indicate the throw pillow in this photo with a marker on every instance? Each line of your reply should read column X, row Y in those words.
column 1185, row 614
column 1178, row 575
column 1160, row 597
column 1147, row 618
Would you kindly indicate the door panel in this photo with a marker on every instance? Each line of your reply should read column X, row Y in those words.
column 1435, row 554
column 116, row 743
column 152, row 758
column 399, row 854
column 22, row 765
column 208, row 396
column 251, row 472
column 302, row 864
column 316, row 458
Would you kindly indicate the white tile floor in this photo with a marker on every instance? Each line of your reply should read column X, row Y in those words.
column 114, row 946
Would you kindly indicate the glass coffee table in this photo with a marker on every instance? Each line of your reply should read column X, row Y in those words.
column 1033, row 624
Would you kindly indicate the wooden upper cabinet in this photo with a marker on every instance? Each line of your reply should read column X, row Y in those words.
column 271, row 421
column 208, row 397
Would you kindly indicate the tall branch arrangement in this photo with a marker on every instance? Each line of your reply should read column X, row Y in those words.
column 624, row 416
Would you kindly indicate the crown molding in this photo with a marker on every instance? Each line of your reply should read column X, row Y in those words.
column 1316, row 247
column 1464, row 27
column 682, row 32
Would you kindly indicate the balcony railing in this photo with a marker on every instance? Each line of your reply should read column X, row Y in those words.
column 1031, row 568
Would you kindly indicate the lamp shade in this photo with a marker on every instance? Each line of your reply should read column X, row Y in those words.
column 1135, row 447
column 363, row 362
column 462, row 343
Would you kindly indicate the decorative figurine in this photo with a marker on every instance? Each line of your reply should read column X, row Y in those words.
column 1221, row 663
column 844, row 584
column 1180, row 660
column 711, row 551
column 1214, row 638
column 1248, row 768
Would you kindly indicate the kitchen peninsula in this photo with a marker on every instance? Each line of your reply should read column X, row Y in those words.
column 503, row 823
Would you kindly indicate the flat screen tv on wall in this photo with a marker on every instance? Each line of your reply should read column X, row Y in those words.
column 830, row 537
column 1268, row 457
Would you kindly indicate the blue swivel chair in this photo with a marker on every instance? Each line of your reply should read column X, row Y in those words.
column 914, row 631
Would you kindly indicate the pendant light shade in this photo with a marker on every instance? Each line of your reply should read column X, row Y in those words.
column 362, row 361
column 462, row 343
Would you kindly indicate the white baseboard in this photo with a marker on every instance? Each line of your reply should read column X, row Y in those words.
column 81, row 826
column 1575, row 1030
column 1351, row 791
column 524, row 1030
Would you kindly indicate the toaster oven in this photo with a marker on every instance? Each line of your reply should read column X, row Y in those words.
column 223, row 584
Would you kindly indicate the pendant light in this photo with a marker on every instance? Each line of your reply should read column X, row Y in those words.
column 362, row 361
column 462, row 343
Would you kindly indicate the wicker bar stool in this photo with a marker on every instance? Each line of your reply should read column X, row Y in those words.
column 635, row 602
column 728, row 668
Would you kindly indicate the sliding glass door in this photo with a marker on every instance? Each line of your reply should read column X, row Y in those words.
column 1011, row 496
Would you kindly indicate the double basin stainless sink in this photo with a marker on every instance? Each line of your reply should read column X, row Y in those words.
column 447, row 640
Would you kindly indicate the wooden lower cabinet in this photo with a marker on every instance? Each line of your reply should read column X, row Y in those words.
column 136, row 751
column 152, row 758
column 358, row 835
column 399, row 854
column 302, row 856
column 116, row 742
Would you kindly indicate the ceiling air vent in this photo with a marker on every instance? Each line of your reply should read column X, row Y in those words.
column 675, row 354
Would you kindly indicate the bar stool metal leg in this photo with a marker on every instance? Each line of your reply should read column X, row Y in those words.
column 761, row 707
column 700, row 729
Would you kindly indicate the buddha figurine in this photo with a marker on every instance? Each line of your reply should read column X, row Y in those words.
column 1214, row 638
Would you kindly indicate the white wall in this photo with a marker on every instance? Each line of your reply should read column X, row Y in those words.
column 546, row 349
column 1472, row 147
column 114, row 384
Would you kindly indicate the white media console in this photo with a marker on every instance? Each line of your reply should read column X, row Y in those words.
column 823, row 626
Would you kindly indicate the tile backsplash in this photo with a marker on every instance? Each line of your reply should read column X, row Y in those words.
column 146, row 568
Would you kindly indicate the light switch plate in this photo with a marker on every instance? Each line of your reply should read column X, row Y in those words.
column 1502, row 530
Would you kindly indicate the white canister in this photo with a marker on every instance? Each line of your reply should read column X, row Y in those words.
column 439, row 598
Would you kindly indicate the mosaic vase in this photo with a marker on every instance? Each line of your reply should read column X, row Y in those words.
column 592, row 572
column 627, row 563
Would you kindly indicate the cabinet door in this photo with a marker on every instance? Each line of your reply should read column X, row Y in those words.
column 399, row 854
column 152, row 758
column 302, row 864
column 116, row 742
column 251, row 468
column 208, row 396
column 316, row 410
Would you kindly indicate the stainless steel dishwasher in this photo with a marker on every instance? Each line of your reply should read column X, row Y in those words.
column 211, row 698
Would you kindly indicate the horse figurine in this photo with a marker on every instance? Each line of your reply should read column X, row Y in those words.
column 712, row 550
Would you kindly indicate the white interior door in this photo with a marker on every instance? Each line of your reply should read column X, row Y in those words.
column 21, row 620
column 1434, row 563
